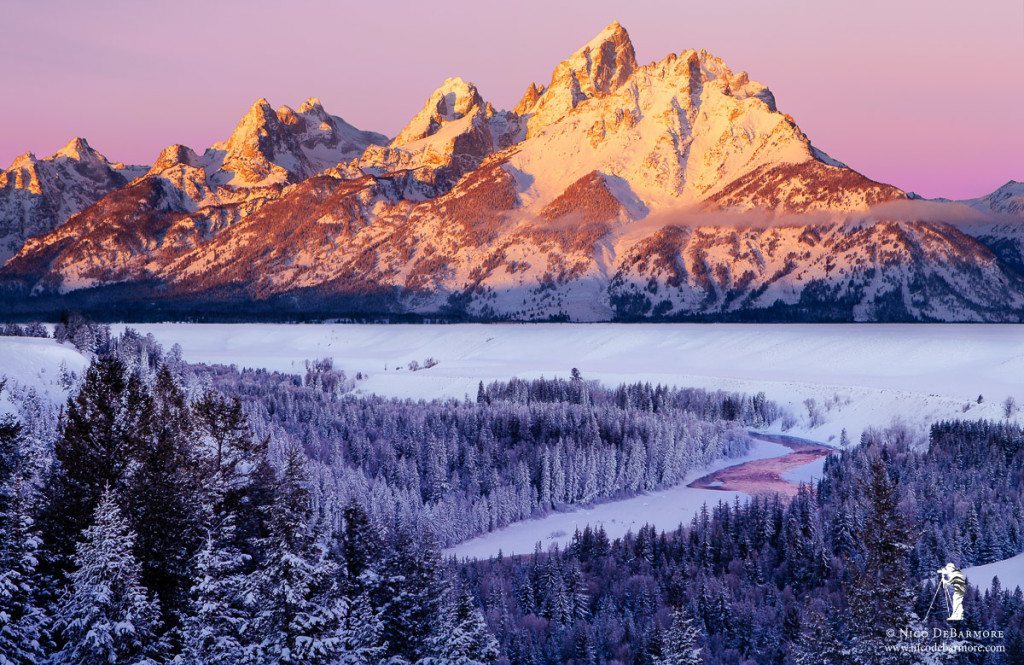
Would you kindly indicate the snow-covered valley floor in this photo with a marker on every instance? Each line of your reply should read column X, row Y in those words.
column 858, row 375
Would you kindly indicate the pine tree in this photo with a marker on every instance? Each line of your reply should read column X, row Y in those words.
column 298, row 613
column 461, row 636
column 818, row 642
column 361, row 551
column 105, row 427
column 360, row 632
column 237, row 477
column 162, row 499
column 217, row 624
column 106, row 615
column 883, row 595
column 415, row 588
column 21, row 620
column 237, row 489
column 681, row 643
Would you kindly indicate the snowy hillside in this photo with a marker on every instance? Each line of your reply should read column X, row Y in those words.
column 1009, row 571
column 29, row 363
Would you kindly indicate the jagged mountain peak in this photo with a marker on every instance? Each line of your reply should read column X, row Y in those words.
column 311, row 104
column 260, row 115
column 38, row 195
column 1011, row 187
column 24, row 159
column 452, row 100
column 79, row 150
column 608, row 59
column 597, row 68
column 76, row 154
column 260, row 107
column 676, row 132
column 529, row 98
column 174, row 155
column 269, row 147
column 454, row 131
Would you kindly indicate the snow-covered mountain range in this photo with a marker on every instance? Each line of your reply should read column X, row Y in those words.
column 617, row 190
column 38, row 195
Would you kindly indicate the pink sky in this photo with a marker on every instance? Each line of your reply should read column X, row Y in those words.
column 923, row 94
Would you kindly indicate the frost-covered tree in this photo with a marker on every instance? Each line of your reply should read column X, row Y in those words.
column 461, row 636
column 416, row 590
column 681, row 643
column 21, row 620
column 360, row 631
column 217, row 621
column 295, row 594
column 237, row 478
column 237, row 487
column 361, row 551
column 104, row 427
column 818, row 642
column 883, row 598
column 106, row 615
column 162, row 498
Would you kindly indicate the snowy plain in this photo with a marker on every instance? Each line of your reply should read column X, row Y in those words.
column 859, row 375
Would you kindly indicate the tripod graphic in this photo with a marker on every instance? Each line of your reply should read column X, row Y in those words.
column 953, row 584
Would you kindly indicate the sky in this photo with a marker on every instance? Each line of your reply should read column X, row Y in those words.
column 923, row 94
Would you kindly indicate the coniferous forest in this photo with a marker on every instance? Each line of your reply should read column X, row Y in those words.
column 179, row 513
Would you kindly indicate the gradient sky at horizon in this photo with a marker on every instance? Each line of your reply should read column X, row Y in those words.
column 926, row 95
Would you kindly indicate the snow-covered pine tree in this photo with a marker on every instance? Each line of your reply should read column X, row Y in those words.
column 162, row 499
column 294, row 590
column 216, row 624
column 21, row 621
column 883, row 596
column 818, row 642
column 416, row 589
column 361, row 550
column 104, row 427
column 361, row 588
column 237, row 476
column 360, row 632
column 461, row 636
column 106, row 615
column 681, row 643
column 237, row 493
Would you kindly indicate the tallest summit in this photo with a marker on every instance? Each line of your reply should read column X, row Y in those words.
column 596, row 69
